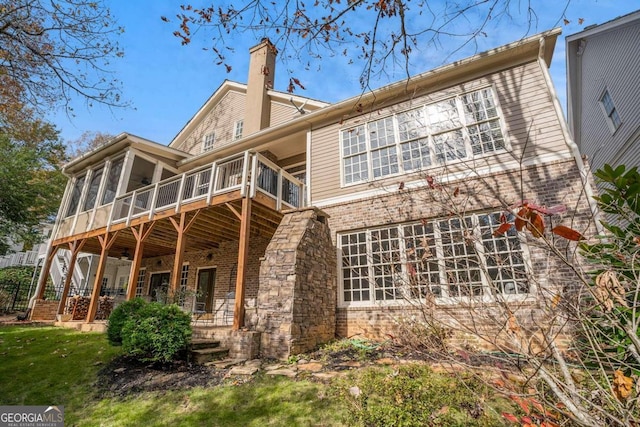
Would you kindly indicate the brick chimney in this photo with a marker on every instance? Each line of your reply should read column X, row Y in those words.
column 262, row 65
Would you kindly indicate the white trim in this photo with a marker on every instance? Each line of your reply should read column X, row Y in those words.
column 418, row 182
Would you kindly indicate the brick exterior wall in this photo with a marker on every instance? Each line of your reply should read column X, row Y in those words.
column 548, row 184
column 297, row 298
column 224, row 259
column 44, row 310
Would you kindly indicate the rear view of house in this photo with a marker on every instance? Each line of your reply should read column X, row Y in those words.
column 281, row 222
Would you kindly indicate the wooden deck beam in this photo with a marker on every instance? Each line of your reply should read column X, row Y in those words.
column 75, row 247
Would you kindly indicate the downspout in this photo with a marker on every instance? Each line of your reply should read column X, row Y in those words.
column 573, row 147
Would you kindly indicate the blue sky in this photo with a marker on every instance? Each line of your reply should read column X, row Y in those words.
column 167, row 83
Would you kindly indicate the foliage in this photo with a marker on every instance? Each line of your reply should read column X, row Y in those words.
column 31, row 183
column 413, row 395
column 14, row 283
column 158, row 333
column 128, row 310
column 612, row 333
column 380, row 36
column 87, row 142
column 53, row 51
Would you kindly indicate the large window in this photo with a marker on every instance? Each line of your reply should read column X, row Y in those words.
column 448, row 258
column 434, row 134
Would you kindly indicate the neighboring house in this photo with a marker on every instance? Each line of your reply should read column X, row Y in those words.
column 603, row 91
column 294, row 221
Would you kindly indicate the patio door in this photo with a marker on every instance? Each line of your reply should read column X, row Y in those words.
column 206, row 283
column 159, row 287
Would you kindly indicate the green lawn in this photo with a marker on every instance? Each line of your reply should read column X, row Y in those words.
column 55, row 366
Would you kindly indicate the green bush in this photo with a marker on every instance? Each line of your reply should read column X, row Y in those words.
column 159, row 333
column 119, row 316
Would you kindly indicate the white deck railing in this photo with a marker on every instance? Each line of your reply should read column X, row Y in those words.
column 229, row 174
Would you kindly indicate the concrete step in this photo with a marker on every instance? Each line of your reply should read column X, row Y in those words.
column 202, row 343
column 204, row 355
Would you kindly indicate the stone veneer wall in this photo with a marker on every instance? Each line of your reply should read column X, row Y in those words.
column 297, row 297
column 547, row 184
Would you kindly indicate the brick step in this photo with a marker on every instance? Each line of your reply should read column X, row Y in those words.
column 204, row 355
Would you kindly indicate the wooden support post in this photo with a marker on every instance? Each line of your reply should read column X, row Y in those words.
column 243, row 251
column 182, row 227
column 141, row 235
column 44, row 273
column 75, row 247
column 106, row 242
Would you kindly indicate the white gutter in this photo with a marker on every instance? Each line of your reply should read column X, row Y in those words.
column 584, row 176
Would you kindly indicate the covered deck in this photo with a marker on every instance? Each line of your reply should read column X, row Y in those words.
column 233, row 199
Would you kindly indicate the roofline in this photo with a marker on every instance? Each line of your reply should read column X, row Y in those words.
column 119, row 142
column 606, row 26
column 502, row 57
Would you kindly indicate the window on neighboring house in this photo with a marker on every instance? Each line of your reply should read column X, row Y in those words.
column 208, row 141
column 613, row 118
column 140, row 282
column 434, row 134
column 94, row 187
column 113, row 179
column 448, row 258
column 76, row 193
column 237, row 132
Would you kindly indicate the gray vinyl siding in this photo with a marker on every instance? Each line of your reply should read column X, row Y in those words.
column 530, row 124
column 221, row 119
column 611, row 60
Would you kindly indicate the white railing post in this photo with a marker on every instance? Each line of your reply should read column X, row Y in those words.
column 254, row 175
column 279, row 190
column 212, row 180
column 154, row 199
column 245, row 174
column 180, row 195
column 110, row 218
column 133, row 203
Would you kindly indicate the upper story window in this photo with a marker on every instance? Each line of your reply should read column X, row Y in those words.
column 457, row 128
column 208, row 141
column 76, row 193
column 237, row 129
column 447, row 258
column 94, row 187
column 613, row 118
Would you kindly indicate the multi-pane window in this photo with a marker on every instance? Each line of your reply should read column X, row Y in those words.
column 208, row 141
column 434, row 134
column 76, row 193
column 184, row 276
column 610, row 111
column 140, row 282
column 237, row 129
column 113, row 179
column 94, row 186
column 354, row 154
column 453, row 257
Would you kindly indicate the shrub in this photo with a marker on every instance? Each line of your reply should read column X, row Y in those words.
column 157, row 334
column 119, row 316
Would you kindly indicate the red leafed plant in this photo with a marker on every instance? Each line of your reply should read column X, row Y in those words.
column 530, row 217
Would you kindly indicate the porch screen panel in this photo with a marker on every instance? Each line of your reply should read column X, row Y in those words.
column 94, row 186
column 76, row 193
column 113, row 179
